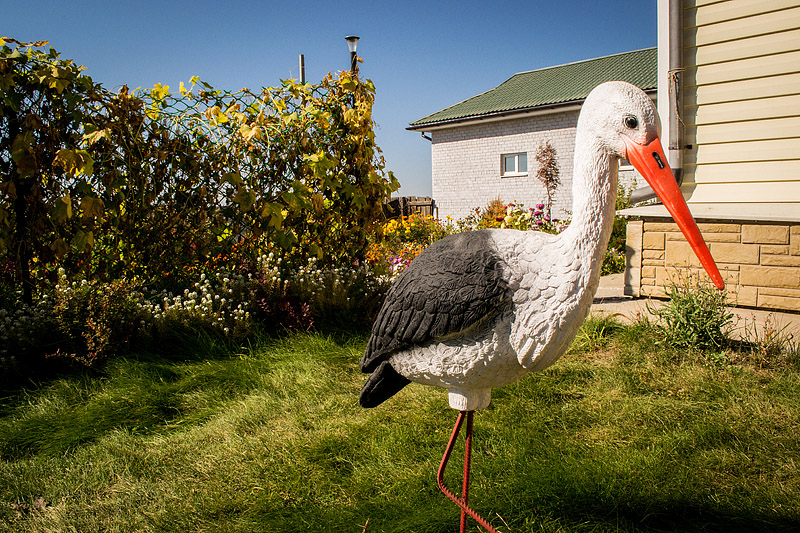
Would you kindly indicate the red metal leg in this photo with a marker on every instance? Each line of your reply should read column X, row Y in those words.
column 467, row 457
column 461, row 502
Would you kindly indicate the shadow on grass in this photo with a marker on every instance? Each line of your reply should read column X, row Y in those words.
column 170, row 382
column 620, row 513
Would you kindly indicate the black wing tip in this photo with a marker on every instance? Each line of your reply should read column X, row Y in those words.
column 384, row 383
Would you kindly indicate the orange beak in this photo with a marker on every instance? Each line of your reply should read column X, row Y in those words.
column 651, row 163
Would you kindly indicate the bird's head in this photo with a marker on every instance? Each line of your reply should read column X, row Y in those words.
column 624, row 121
column 619, row 114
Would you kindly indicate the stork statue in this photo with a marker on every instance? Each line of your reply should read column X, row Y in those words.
column 479, row 310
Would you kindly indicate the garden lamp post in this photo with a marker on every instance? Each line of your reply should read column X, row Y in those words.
column 352, row 43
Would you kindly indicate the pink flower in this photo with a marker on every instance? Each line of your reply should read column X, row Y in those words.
column 539, row 206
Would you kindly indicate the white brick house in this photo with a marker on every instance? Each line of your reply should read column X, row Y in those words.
column 479, row 147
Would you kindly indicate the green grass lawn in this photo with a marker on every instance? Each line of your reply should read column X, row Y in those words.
column 620, row 435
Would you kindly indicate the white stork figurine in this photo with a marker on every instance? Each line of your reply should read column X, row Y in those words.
column 479, row 310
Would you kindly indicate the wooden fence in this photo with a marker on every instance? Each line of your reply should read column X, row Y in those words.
column 404, row 206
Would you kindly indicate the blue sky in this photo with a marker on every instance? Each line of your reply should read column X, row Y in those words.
column 421, row 55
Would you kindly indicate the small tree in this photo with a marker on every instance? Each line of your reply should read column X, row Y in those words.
column 548, row 172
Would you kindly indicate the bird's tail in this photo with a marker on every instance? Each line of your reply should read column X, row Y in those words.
column 384, row 383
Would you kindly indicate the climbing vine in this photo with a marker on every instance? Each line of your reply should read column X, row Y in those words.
column 154, row 185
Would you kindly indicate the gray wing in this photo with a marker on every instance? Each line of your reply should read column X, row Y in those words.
column 453, row 284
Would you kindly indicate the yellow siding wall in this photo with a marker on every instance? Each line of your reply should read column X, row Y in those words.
column 742, row 101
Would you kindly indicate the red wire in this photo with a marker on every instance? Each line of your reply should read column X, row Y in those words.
column 461, row 502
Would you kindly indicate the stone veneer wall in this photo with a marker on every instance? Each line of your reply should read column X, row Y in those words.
column 760, row 262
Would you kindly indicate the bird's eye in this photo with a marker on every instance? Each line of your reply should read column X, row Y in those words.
column 631, row 122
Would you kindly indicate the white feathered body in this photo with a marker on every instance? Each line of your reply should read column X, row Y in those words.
column 548, row 284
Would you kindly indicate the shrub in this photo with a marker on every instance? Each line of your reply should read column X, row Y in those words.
column 614, row 258
column 402, row 240
column 217, row 303
column 513, row 216
column 517, row 217
column 695, row 317
column 315, row 295
column 27, row 332
column 613, row 262
column 275, row 308
column 492, row 214
column 83, row 321
column 770, row 345
column 96, row 320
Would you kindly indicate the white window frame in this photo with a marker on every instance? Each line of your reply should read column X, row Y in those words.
column 516, row 172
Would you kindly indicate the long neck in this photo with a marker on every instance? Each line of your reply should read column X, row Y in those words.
column 594, row 193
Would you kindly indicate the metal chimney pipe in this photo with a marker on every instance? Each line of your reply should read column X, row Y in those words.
column 676, row 89
column 674, row 93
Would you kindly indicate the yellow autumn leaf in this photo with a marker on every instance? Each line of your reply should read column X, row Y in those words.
column 258, row 133
column 159, row 91
column 75, row 161
column 212, row 112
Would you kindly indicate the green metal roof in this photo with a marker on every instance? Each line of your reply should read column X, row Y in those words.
column 563, row 84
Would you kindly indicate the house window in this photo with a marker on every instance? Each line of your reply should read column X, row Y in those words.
column 514, row 164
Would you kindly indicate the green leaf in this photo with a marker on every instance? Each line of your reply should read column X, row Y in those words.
column 289, row 118
column 59, row 248
column 83, row 240
column 159, row 92
column 75, row 161
column 87, row 167
column 22, row 154
column 245, row 198
column 291, row 200
column 233, row 178
column 92, row 208
column 62, row 210
column 275, row 213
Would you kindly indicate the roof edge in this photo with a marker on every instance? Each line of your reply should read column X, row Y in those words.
column 453, row 122
column 586, row 60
